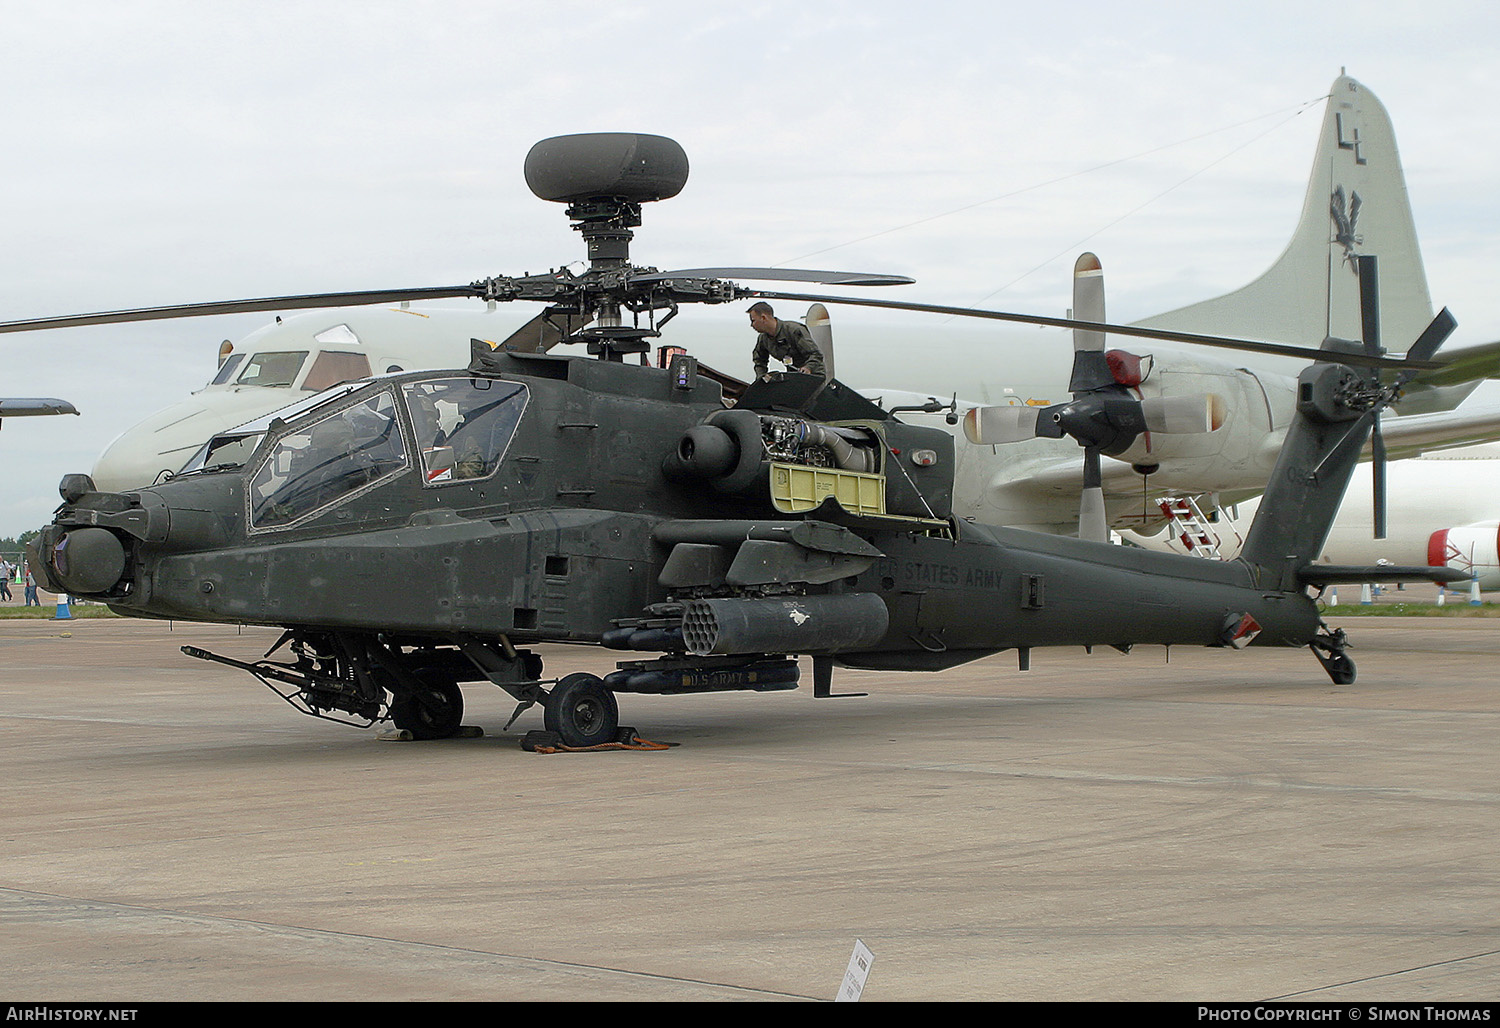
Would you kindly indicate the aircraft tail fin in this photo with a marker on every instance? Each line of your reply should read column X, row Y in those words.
column 1337, row 410
column 1356, row 203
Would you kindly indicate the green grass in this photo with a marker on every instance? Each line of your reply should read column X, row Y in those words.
column 48, row 611
column 1451, row 609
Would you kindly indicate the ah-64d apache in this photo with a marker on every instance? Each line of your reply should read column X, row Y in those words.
column 415, row 531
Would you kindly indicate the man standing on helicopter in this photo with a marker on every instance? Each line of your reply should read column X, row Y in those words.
column 787, row 341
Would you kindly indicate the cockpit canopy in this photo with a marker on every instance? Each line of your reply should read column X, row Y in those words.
column 315, row 453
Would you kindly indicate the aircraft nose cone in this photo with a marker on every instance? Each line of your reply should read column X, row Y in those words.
column 162, row 442
column 165, row 440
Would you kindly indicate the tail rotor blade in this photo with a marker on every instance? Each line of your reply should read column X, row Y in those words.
column 1432, row 337
column 1369, row 305
column 1377, row 476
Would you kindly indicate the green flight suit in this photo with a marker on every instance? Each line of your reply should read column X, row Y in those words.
column 791, row 345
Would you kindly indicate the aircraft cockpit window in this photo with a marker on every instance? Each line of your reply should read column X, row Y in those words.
column 228, row 450
column 325, row 462
column 273, row 369
column 331, row 367
column 463, row 425
column 227, row 370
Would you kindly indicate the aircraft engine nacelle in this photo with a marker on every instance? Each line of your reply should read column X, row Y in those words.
column 734, row 451
column 1472, row 549
column 1240, row 419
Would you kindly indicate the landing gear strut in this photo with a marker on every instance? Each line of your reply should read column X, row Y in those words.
column 1336, row 662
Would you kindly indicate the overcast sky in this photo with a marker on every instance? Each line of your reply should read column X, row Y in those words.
column 158, row 153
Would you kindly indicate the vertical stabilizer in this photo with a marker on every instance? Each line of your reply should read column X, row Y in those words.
column 1356, row 204
column 1322, row 448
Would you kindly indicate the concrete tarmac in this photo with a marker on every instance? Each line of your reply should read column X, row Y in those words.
column 1222, row 826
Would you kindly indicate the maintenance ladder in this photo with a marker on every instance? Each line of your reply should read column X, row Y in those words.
column 1186, row 521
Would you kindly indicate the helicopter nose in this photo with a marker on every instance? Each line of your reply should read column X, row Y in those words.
column 79, row 561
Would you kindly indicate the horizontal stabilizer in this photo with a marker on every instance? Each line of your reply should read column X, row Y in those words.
column 1412, row 434
column 1353, row 574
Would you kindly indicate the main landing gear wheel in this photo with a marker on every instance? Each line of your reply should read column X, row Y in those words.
column 582, row 711
column 433, row 713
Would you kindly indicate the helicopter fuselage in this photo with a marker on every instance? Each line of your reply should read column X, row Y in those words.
column 425, row 525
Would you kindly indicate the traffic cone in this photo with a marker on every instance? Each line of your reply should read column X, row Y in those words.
column 1364, row 594
column 1474, row 600
column 1442, row 596
column 1333, row 596
column 63, row 612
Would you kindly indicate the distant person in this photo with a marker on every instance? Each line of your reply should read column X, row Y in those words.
column 6, row 570
column 30, row 590
column 787, row 341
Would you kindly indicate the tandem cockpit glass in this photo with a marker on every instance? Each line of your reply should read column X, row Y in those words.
column 327, row 460
column 463, row 425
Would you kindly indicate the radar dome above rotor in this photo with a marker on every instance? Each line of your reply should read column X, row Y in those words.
column 623, row 165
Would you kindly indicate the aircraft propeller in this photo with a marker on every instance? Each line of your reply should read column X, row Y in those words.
column 1104, row 416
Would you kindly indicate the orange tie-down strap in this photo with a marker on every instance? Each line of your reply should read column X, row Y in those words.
column 626, row 739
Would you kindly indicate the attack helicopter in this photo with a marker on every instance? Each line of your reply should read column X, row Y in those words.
column 417, row 530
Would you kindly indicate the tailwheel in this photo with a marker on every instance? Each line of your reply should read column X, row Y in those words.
column 435, row 711
column 1337, row 663
column 582, row 711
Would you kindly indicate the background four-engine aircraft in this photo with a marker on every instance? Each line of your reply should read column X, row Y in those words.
column 1206, row 425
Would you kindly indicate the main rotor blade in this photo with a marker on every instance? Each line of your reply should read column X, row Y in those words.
column 828, row 278
column 307, row 301
column 1225, row 342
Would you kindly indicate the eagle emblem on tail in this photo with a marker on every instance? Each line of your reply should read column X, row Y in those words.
column 1345, row 217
